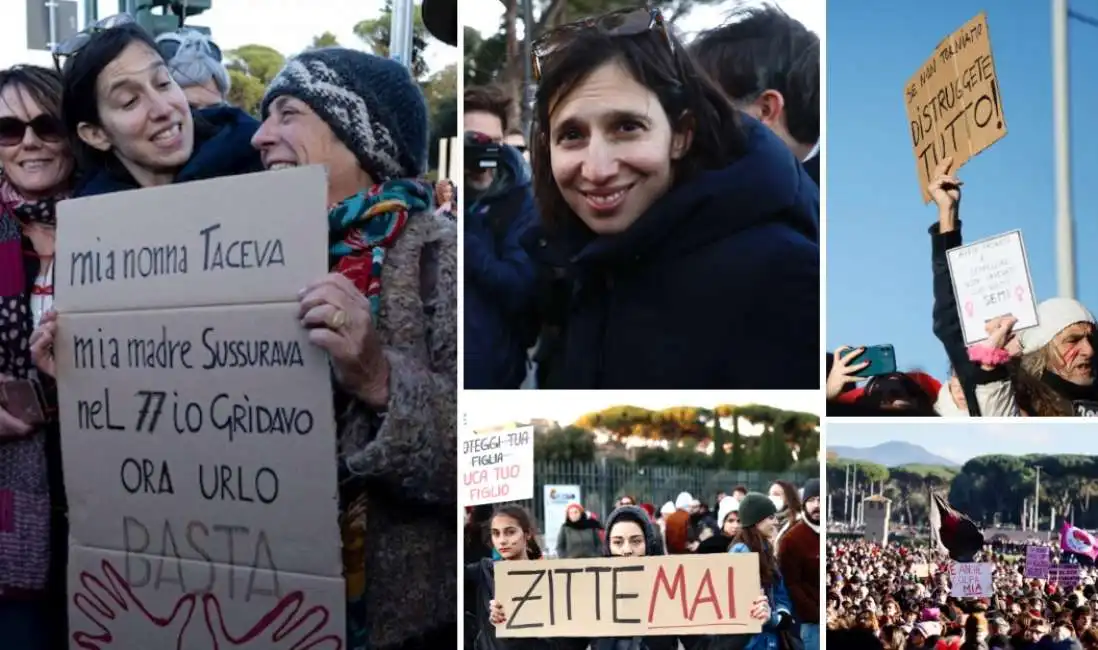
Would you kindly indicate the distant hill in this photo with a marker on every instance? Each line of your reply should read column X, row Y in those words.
column 891, row 454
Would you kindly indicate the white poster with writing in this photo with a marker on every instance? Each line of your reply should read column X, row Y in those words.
column 496, row 466
column 991, row 279
column 971, row 579
column 197, row 426
column 555, row 500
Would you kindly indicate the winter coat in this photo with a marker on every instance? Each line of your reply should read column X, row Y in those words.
column 406, row 459
column 779, row 600
column 579, row 539
column 715, row 286
column 500, row 281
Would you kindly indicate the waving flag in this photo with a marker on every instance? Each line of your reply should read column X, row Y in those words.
column 953, row 531
column 1078, row 541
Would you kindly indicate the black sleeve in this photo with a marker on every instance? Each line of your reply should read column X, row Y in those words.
column 947, row 320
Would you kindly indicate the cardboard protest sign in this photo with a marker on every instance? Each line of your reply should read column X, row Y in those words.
column 1037, row 562
column 1067, row 576
column 971, row 579
column 991, row 279
column 627, row 597
column 496, row 466
column 954, row 102
column 197, row 427
column 923, row 570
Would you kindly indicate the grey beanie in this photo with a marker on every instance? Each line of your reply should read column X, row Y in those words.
column 372, row 104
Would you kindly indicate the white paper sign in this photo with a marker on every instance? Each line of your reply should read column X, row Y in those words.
column 555, row 500
column 991, row 279
column 970, row 579
column 497, row 466
column 198, row 435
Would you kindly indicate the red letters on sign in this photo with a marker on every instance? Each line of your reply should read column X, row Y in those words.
column 706, row 593
column 679, row 582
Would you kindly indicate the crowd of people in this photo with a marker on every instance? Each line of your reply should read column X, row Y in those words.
column 1043, row 371
column 782, row 527
column 898, row 597
column 671, row 194
column 123, row 112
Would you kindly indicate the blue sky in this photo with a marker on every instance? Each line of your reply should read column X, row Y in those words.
column 878, row 250
column 962, row 441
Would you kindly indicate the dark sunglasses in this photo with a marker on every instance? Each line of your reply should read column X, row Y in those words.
column 13, row 129
column 168, row 46
column 72, row 45
column 624, row 22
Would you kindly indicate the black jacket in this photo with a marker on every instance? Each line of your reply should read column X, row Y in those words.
column 716, row 286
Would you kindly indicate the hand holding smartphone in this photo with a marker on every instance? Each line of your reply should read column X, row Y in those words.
column 881, row 358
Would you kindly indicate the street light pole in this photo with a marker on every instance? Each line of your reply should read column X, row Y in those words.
column 528, row 76
column 1061, row 114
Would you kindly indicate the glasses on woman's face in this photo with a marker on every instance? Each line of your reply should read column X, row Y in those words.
column 625, row 22
column 13, row 130
column 72, row 45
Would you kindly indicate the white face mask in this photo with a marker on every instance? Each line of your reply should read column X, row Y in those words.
column 779, row 502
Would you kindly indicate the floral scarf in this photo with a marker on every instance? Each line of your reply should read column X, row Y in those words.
column 361, row 229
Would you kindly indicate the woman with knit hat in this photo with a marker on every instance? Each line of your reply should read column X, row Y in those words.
column 728, row 521
column 758, row 528
column 387, row 316
column 579, row 534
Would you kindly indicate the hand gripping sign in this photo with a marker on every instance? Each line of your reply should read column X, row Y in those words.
column 627, row 597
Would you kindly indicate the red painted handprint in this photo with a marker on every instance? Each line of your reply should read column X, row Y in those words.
column 285, row 627
column 119, row 618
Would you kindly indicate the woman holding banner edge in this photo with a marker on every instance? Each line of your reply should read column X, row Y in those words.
column 757, row 534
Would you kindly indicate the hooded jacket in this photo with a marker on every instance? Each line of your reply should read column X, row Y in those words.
column 222, row 147
column 500, row 279
column 652, row 546
column 715, row 286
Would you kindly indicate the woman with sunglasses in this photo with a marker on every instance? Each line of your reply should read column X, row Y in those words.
column 36, row 169
column 688, row 231
column 130, row 121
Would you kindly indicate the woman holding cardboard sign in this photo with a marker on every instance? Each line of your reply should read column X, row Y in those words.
column 386, row 314
column 630, row 533
column 514, row 537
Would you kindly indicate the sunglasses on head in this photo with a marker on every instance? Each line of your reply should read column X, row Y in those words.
column 72, row 45
column 624, row 22
column 13, row 129
column 169, row 44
